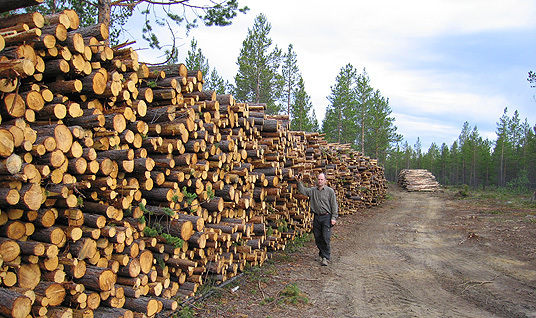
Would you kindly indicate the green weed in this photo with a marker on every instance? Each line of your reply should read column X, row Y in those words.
column 185, row 312
column 299, row 242
column 292, row 294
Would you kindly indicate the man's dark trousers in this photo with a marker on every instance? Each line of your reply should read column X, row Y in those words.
column 322, row 233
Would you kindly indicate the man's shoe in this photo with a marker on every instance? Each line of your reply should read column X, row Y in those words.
column 324, row 261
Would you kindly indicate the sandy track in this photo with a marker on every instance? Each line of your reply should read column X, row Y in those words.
column 408, row 261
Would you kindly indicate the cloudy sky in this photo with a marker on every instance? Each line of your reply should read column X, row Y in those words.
column 440, row 63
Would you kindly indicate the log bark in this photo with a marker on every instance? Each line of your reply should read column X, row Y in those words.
column 146, row 305
column 14, row 304
column 54, row 293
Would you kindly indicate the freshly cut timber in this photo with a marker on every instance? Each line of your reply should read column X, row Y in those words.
column 418, row 180
column 124, row 186
column 14, row 304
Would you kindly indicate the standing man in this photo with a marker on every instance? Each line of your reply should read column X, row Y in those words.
column 323, row 202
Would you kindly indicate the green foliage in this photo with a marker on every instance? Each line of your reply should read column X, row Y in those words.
column 298, row 243
column 144, row 209
column 339, row 120
column 221, row 14
column 292, row 294
column 359, row 115
column 520, row 184
column 195, row 60
column 267, row 300
column 190, row 197
column 282, row 225
column 141, row 219
column 160, row 261
column 169, row 212
column 210, row 193
column 79, row 201
column 184, row 312
column 258, row 80
column 291, row 76
column 148, row 231
column 508, row 162
column 177, row 242
column 302, row 113
column 464, row 192
column 156, row 15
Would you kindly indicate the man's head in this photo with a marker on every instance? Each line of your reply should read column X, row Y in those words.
column 321, row 180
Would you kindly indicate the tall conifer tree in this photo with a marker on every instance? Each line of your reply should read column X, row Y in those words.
column 258, row 79
column 195, row 60
column 303, row 116
column 339, row 120
column 291, row 77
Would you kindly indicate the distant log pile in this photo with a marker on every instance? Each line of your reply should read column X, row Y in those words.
column 125, row 187
column 418, row 180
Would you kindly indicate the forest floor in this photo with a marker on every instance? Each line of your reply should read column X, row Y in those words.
column 417, row 255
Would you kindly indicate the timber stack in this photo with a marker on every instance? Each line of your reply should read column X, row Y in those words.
column 126, row 186
column 418, row 180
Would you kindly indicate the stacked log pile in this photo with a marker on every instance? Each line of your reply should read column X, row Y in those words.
column 125, row 187
column 418, row 180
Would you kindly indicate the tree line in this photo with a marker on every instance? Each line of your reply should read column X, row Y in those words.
column 508, row 162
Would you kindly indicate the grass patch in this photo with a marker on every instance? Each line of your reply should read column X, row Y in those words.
column 292, row 295
column 184, row 312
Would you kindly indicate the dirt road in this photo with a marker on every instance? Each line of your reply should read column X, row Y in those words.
column 411, row 262
column 416, row 256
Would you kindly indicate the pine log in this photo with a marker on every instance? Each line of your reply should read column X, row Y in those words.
column 97, row 278
column 17, row 67
column 146, row 305
column 53, row 235
column 14, row 304
column 54, row 293
column 99, row 31
column 9, row 249
column 28, row 276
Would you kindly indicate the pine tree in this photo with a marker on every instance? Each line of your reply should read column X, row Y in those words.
column 502, row 146
column 258, row 79
column 302, row 112
column 444, row 165
column 291, row 77
column 217, row 83
column 339, row 121
column 195, row 60
column 379, row 130
column 363, row 96
column 466, row 146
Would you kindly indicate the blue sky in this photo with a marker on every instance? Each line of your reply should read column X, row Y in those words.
column 440, row 63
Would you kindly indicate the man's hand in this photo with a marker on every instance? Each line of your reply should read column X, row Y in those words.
column 333, row 222
column 299, row 177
